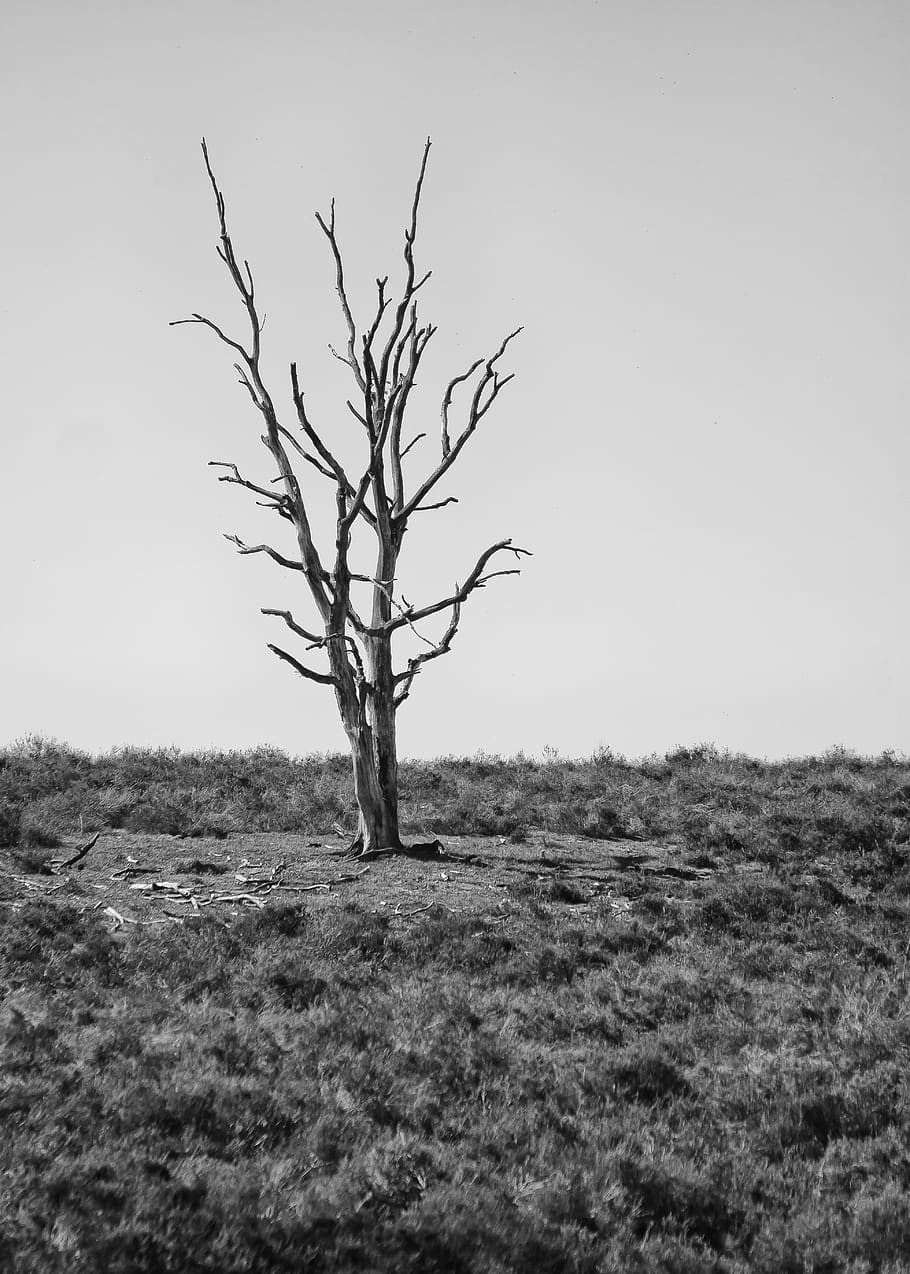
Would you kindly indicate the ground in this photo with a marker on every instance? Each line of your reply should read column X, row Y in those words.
column 148, row 879
column 685, row 1051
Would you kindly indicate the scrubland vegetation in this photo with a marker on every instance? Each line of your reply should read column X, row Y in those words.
column 700, row 1071
column 705, row 798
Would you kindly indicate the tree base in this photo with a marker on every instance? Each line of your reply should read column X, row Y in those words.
column 422, row 851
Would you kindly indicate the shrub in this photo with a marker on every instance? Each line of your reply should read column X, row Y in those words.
column 10, row 822
column 602, row 820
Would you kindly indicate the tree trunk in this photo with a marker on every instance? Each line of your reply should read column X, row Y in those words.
column 381, row 715
column 377, row 824
column 373, row 744
column 377, row 800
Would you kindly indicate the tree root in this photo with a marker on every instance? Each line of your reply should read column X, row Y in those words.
column 422, row 851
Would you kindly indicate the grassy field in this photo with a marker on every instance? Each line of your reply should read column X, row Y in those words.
column 643, row 1017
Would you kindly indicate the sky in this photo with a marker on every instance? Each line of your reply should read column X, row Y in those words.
column 696, row 208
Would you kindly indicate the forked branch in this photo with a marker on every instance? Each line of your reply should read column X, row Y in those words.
column 477, row 579
column 331, row 467
column 486, row 392
column 405, row 679
column 291, row 504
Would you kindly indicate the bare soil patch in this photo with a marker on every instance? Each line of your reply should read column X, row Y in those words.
column 143, row 878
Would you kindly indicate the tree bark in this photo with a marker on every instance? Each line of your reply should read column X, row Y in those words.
column 381, row 716
column 382, row 824
column 377, row 824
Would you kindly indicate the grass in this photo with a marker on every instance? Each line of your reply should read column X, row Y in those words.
column 699, row 797
column 707, row 1071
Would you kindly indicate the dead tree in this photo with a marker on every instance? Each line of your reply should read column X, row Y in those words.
column 383, row 359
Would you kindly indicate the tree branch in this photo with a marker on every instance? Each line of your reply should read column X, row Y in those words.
column 236, row 478
column 475, row 580
column 333, row 467
column 351, row 360
column 438, row 504
column 317, row 464
column 410, row 236
column 442, row 647
column 447, row 402
column 291, row 623
column 403, row 610
column 419, row 340
column 323, row 678
column 479, row 408
column 265, row 548
column 359, row 673
column 207, row 322
column 412, row 443
column 251, row 379
column 380, row 310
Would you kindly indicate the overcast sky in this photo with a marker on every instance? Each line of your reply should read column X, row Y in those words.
column 699, row 212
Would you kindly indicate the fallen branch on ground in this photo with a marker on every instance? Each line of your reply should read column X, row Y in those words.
column 404, row 915
column 61, row 864
column 255, row 895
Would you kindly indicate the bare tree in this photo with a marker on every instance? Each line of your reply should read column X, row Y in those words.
column 383, row 359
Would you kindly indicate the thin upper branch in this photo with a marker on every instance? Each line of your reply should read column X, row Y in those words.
column 410, row 235
column 475, row 580
column 331, row 463
column 485, row 394
column 328, row 229
column 207, row 322
column 447, row 402
column 292, row 504
column 417, row 341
